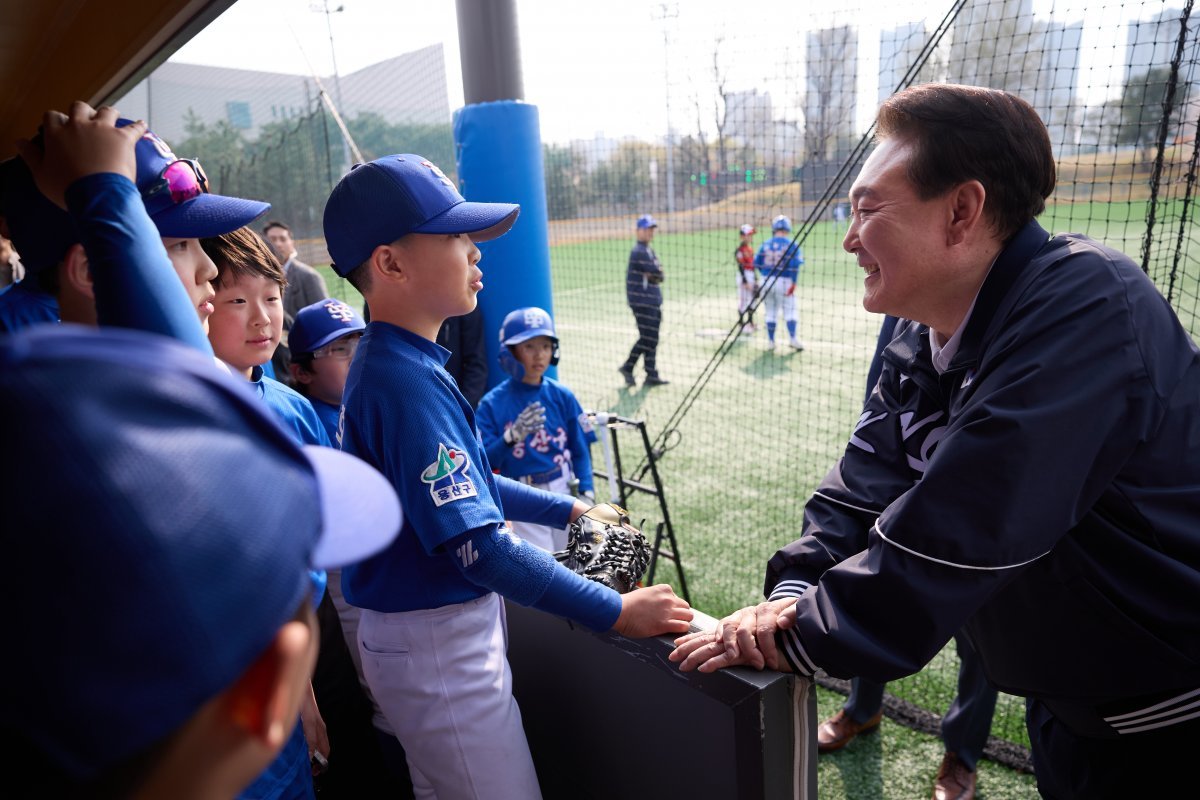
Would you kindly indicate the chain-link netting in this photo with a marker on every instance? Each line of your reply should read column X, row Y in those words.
column 758, row 118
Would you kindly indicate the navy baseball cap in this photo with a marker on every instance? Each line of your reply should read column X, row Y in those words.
column 177, row 197
column 381, row 201
column 646, row 221
column 40, row 231
column 319, row 324
column 163, row 525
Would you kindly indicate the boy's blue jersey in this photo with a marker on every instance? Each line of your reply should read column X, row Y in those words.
column 770, row 258
column 404, row 415
column 291, row 408
column 329, row 417
column 564, row 440
column 22, row 306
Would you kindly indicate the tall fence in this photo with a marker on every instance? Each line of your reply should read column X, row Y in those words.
column 751, row 121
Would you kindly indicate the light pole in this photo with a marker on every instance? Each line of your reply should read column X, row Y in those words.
column 668, row 11
column 326, row 10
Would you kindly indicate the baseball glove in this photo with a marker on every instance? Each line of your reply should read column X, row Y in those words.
column 604, row 546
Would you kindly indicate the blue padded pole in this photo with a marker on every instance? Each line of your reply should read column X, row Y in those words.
column 499, row 156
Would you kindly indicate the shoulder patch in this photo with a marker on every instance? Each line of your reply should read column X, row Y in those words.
column 447, row 476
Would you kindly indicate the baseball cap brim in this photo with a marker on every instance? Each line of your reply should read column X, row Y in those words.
column 207, row 215
column 360, row 514
column 308, row 347
column 482, row 221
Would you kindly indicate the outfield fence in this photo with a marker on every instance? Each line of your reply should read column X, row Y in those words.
column 758, row 119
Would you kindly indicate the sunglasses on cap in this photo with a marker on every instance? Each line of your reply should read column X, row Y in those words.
column 180, row 181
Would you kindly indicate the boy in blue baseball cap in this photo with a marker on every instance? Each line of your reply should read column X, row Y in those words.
column 431, row 635
column 533, row 428
column 128, row 224
column 172, row 641
column 323, row 340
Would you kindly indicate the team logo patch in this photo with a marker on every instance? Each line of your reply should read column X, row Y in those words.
column 441, row 176
column 447, row 476
column 339, row 311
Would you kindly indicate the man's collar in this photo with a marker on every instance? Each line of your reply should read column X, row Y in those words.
column 1008, row 267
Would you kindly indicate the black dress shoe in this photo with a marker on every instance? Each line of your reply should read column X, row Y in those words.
column 654, row 380
column 628, row 374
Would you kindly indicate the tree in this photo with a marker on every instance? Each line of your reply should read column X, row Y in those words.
column 564, row 179
column 220, row 147
column 376, row 137
column 623, row 180
column 1141, row 104
column 829, row 100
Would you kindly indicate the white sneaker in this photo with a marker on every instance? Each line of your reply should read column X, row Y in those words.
column 796, row 344
column 771, row 345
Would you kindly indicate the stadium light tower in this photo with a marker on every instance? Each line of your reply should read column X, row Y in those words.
column 323, row 7
column 665, row 12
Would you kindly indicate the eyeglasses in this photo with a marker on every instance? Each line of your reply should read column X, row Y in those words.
column 179, row 182
column 341, row 350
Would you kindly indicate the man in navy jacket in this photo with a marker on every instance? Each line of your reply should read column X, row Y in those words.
column 1046, row 400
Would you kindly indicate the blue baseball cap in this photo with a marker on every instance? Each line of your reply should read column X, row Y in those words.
column 164, row 525
column 40, row 231
column 388, row 198
column 319, row 324
column 176, row 194
column 646, row 221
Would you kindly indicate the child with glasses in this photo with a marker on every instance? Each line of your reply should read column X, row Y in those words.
column 323, row 339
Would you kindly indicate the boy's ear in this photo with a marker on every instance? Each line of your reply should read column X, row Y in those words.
column 264, row 701
column 300, row 374
column 387, row 262
column 76, row 272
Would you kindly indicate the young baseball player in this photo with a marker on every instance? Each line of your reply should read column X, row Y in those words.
column 171, row 658
column 781, row 292
column 247, row 323
column 111, row 265
column 533, row 428
column 89, row 162
column 747, row 277
column 432, row 634
column 323, row 340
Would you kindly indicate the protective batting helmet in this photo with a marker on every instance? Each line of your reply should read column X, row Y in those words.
column 782, row 223
column 521, row 325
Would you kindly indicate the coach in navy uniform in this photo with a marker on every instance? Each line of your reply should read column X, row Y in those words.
column 1027, row 468
column 644, row 295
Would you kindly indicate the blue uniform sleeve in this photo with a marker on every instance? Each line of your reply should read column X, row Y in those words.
column 500, row 562
column 135, row 284
column 527, row 504
column 758, row 257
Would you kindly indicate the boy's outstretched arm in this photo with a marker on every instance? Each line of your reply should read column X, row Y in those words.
column 503, row 563
column 88, row 166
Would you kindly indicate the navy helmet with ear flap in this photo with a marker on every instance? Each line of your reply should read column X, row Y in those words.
column 521, row 325
column 782, row 223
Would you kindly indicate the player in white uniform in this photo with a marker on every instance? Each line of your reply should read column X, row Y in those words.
column 533, row 428
column 778, row 258
column 432, row 635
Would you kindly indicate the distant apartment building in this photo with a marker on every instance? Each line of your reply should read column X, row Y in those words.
column 831, row 91
column 409, row 88
column 750, row 121
column 899, row 49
